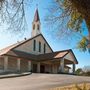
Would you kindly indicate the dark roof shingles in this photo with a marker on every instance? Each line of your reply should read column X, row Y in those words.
column 47, row 56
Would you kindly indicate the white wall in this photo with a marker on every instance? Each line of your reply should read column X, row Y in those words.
column 28, row 46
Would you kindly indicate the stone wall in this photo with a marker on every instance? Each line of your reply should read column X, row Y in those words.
column 23, row 65
column 12, row 64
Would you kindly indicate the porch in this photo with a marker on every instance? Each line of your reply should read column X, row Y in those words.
column 53, row 66
column 56, row 62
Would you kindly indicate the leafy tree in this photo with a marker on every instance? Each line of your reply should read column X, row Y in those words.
column 79, row 71
column 83, row 7
column 72, row 13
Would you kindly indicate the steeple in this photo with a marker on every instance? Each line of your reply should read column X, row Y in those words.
column 36, row 17
column 36, row 24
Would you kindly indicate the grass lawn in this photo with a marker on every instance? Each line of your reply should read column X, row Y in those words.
column 84, row 86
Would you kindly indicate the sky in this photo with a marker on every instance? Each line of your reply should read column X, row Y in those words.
column 7, row 38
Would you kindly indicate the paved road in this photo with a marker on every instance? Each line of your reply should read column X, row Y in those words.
column 40, row 81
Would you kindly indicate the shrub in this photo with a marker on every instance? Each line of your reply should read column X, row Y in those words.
column 79, row 71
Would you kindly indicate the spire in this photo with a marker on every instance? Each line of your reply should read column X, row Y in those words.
column 36, row 25
column 36, row 17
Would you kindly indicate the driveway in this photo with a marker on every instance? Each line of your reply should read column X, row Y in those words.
column 40, row 81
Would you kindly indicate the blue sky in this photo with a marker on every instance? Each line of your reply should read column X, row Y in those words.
column 7, row 38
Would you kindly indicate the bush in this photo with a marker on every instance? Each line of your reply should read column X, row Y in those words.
column 79, row 71
column 86, row 73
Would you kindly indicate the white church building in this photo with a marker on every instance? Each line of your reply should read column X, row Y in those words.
column 36, row 55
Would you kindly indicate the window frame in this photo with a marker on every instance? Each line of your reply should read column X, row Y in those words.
column 39, row 46
column 34, row 45
column 44, row 48
column 38, row 27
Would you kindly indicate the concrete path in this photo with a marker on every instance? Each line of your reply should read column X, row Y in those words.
column 40, row 81
column 3, row 76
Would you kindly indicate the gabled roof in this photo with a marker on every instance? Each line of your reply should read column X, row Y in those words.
column 54, row 55
column 41, row 57
column 74, row 56
column 7, row 49
column 47, row 56
column 36, row 17
column 34, row 38
column 21, row 54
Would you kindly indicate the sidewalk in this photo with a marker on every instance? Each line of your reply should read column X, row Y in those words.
column 14, row 75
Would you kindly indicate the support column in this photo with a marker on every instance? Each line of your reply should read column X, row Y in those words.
column 38, row 67
column 6, row 63
column 61, row 68
column 29, row 66
column 18, row 64
column 54, row 69
column 73, row 68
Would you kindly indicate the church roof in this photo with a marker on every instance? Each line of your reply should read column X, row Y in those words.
column 11, row 47
column 54, row 55
column 36, row 17
column 40, row 57
column 5, row 50
column 21, row 54
column 47, row 56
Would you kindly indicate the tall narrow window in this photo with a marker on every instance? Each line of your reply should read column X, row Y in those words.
column 39, row 46
column 38, row 27
column 34, row 45
column 44, row 48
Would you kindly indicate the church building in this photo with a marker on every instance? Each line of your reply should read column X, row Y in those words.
column 36, row 55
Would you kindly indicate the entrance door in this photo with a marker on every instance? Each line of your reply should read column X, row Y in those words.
column 42, row 68
column 34, row 69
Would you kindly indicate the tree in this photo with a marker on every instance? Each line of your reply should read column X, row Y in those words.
column 86, row 70
column 79, row 71
column 12, row 12
column 83, row 7
column 72, row 13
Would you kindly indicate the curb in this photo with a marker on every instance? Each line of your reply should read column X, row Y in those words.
column 13, row 76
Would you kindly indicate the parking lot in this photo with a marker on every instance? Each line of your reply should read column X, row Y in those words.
column 40, row 81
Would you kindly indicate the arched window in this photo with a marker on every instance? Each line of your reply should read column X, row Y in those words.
column 44, row 48
column 38, row 27
column 39, row 46
column 33, row 26
column 34, row 45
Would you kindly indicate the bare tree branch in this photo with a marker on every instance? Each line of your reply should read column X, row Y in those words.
column 12, row 12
